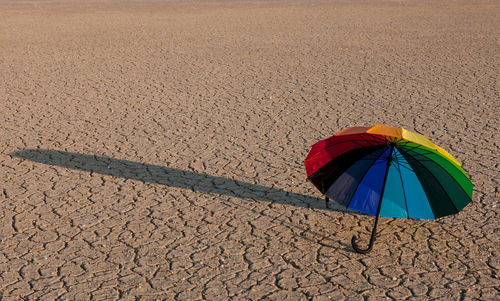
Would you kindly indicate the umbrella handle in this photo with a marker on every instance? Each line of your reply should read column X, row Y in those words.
column 372, row 240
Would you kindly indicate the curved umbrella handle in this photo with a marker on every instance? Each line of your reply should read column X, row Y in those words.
column 372, row 240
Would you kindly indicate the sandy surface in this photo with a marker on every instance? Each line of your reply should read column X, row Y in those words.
column 155, row 150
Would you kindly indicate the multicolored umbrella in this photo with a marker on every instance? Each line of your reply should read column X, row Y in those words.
column 388, row 171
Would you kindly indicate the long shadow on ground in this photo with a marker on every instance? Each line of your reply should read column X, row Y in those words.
column 172, row 177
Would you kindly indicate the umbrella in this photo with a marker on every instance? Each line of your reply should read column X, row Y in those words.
column 390, row 172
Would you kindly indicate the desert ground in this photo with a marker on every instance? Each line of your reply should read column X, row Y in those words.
column 154, row 150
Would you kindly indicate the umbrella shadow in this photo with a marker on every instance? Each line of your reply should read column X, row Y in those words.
column 185, row 179
column 172, row 177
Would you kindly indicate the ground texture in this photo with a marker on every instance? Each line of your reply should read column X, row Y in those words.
column 155, row 151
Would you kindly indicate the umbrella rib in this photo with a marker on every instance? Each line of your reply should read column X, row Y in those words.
column 423, row 148
column 405, row 166
column 423, row 154
column 460, row 168
column 426, row 151
column 343, row 163
column 402, row 185
column 432, row 175
column 427, row 159
column 364, row 174
column 444, row 170
column 355, row 141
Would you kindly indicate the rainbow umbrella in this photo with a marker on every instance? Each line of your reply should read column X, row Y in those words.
column 388, row 171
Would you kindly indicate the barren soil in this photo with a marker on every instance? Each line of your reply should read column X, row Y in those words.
column 155, row 150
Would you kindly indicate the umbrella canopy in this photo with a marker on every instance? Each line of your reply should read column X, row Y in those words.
column 388, row 171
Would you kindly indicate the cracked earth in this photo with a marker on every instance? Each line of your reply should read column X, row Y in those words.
column 154, row 151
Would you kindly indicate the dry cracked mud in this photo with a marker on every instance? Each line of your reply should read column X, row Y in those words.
column 154, row 150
